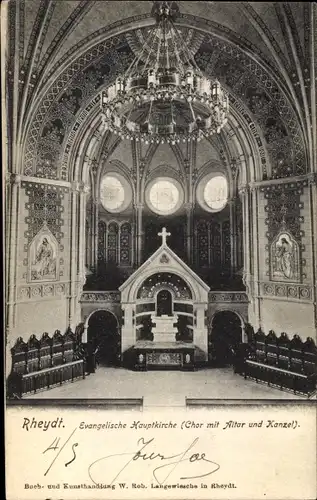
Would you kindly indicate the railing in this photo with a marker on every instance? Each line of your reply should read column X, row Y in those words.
column 92, row 296
column 228, row 297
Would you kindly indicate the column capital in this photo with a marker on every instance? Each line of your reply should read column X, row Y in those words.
column 76, row 186
column 312, row 178
column 80, row 187
column 12, row 178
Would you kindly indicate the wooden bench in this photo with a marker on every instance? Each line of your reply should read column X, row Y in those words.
column 278, row 377
column 31, row 383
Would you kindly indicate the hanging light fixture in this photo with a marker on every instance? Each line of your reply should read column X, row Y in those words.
column 163, row 96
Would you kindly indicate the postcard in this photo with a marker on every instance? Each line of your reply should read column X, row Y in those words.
column 160, row 249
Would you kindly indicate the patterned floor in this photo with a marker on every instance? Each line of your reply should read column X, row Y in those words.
column 166, row 388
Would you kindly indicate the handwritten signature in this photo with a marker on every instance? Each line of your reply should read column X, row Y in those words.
column 171, row 463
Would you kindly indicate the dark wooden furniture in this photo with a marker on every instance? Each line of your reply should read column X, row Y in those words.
column 280, row 378
column 41, row 364
column 281, row 362
column 31, row 383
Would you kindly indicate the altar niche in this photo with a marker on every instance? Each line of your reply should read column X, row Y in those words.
column 164, row 305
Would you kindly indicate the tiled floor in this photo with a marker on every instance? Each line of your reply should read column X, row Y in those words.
column 165, row 388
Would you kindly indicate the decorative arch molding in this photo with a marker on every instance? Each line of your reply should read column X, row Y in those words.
column 265, row 77
column 164, row 268
column 230, row 309
column 99, row 309
column 240, row 312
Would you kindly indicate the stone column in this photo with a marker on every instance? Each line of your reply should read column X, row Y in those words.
column 95, row 220
column 139, row 233
column 233, row 235
column 245, row 199
column 13, row 185
column 200, row 332
column 313, row 211
column 189, row 232
column 81, row 237
column 244, row 194
column 255, row 255
column 73, row 255
column 84, row 337
column 128, row 336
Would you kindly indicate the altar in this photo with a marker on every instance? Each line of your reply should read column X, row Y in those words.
column 150, row 355
column 164, row 307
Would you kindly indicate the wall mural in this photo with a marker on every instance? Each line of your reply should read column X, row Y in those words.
column 284, row 258
column 43, row 257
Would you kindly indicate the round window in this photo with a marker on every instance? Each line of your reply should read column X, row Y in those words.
column 113, row 195
column 164, row 196
column 213, row 194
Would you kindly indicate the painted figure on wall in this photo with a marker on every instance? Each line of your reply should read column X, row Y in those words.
column 43, row 257
column 284, row 258
column 45, row 261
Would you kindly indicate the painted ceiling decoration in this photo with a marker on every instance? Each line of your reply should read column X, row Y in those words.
column 265, row 70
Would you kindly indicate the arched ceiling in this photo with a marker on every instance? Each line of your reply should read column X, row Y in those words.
column 62, row 54
column 66, row 22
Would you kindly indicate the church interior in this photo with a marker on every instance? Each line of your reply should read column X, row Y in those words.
column 161, row 200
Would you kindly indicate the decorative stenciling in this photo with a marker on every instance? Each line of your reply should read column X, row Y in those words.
column 227, row 297
column 284, row 231
column 44, row 234
column 42, row 291
column 284, row 290
column 261, row 94
column 69, row 92
column 255, row 87
column 43, row 257
column 44, row 207
column 100, row 297
column 283, row 210
column 285, row 258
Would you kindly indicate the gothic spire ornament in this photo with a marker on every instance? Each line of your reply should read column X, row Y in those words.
column 164, row 97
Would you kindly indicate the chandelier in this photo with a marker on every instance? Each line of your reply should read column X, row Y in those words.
column 163, row 97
